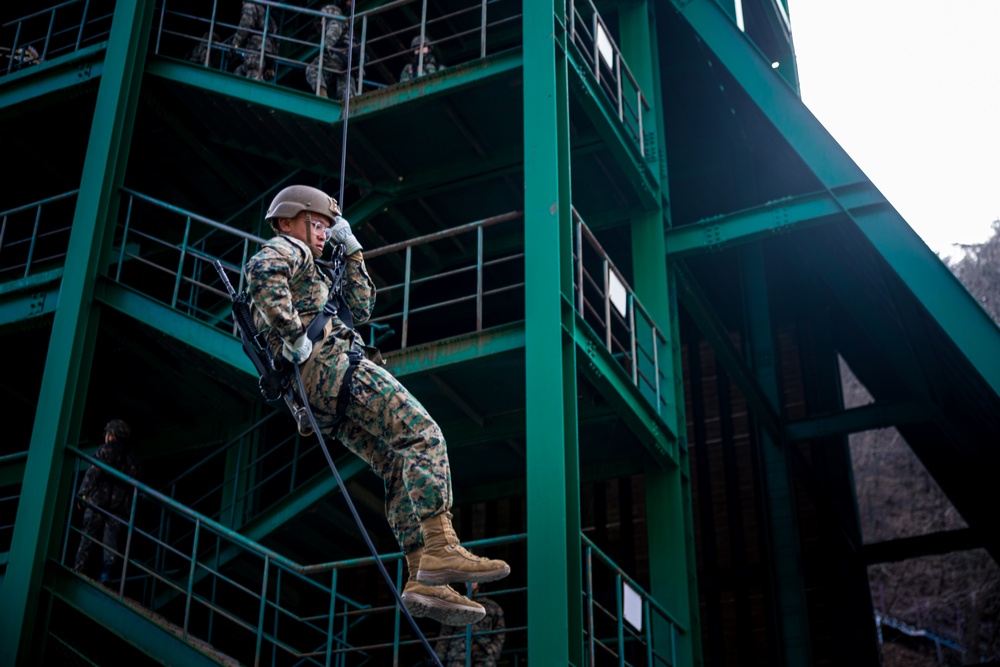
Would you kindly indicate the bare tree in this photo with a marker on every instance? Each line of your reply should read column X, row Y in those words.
column 979, row 271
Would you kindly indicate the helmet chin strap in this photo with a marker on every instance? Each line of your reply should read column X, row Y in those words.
column 347, row 106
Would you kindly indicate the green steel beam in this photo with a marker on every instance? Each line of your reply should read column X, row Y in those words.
column 158, row 640
column 369, row 205
column 928, row 278
column 184, row 328
column 305, row 104
column 512, row 426
column 12, row 468
column 18, row 306
column 454, row 78
column 625, row 151
column 613, row 468
column 288, row 508
column 781, row 527
column 64, row 381
column 772, row 219
column 669, row 523
column 304, row 497
column 433, row 357
column 855, row 420
column 708, row 322
column 80, row 68
column 919, row 546
column 611, row 381
column 31, row 283
column 555, row 612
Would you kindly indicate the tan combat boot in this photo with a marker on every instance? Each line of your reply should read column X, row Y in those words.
column 442, row 603
column 446, row 561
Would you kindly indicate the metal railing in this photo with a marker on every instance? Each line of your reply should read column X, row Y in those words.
column 263, row 608
column 253, row 474
column 172, row 262
column 55, row 31
column 468, row 30
column 603, row 58
column 453, row 301
column 10, row 495
column 606, row 301
column 31, row 242
column 259, row 606
column 166, row 253
column 621, row 619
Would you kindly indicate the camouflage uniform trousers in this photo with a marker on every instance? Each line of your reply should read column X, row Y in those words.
column 251, row 59
column 334, row 65
column 486, row 648
column 409, row 72
column 95, row 523
column 391, row 431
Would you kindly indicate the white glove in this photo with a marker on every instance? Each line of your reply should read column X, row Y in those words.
column 341, row 233
column 299, row 351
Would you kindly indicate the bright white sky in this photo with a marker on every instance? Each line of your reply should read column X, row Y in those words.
column 911, row 90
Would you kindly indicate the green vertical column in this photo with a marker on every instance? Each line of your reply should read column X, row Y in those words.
column 67, row 364
column 831, row 466
column 668, row 493
column 555, row 616
column 781, row 517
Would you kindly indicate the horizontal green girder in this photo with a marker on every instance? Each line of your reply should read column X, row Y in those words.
column 304, row 497
column 460, row 349
column 323, row 110
column 152, row 638
column 30, row 297
column 773, row 218
column 609, row 378
column 856, row 420
column 186, row 329
column 75, row 69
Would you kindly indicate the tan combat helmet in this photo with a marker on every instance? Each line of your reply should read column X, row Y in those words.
column 297, row 198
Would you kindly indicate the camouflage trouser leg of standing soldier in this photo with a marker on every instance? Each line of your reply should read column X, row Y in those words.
column 387, row 427
column 334, row 66
column 96, row 526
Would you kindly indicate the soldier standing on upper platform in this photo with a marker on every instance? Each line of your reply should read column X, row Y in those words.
column 429, row 65
column 337, row 40
column 254, row 22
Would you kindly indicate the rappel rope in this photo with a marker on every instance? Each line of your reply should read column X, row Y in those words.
column 302, row 392
column 357, row 520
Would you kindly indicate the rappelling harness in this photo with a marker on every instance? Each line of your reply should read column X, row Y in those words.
column 281, row 380
column 277, row 374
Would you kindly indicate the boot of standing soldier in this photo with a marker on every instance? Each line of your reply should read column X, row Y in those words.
column 446, row 561
column 442, row 603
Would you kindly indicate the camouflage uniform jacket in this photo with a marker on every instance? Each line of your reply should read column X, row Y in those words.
column 102, row 489
column 289, row 289
column 485, row 649
column 252, row 24
column 410, row 71
column 336, row 38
